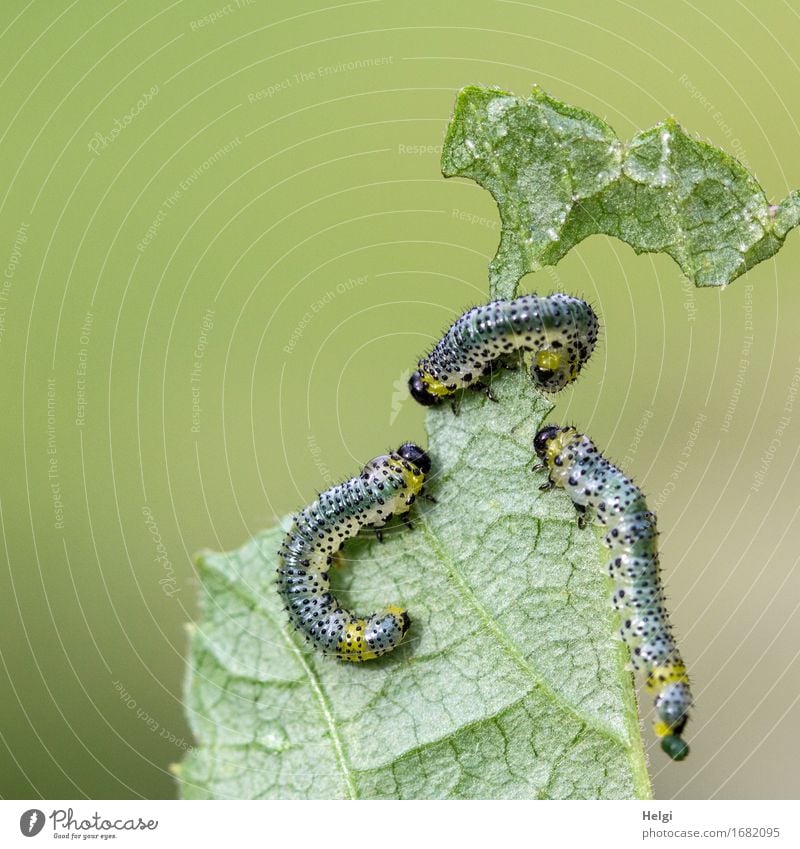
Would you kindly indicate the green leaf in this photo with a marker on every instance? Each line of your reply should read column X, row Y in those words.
column 560, row 174
column 510, row 684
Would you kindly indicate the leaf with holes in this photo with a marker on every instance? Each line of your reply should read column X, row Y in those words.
column 560, row 174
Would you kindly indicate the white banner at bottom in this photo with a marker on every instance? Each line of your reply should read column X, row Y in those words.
column 342, row 825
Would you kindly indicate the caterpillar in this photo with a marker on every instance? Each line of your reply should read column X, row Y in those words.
column 387, row 485
column 593, row 483
column 559, row 329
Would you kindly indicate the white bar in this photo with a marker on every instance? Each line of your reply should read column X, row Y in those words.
column 342, row 825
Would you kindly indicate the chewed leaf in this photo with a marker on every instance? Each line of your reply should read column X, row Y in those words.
column 510, row 683
column 560, row 174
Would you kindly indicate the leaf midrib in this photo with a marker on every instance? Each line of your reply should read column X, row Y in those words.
column 454, row 577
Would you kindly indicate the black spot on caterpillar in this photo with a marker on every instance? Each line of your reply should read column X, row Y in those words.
column 387, row 486
column 560, row 330
column 592, row 482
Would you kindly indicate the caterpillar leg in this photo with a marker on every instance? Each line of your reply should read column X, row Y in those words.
column 480, row 386
column 455, row 404
column 510, row 362
column 547, row 486
column 580, row 509
column 380, row 524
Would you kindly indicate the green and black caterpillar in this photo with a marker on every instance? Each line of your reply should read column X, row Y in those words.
column 592, row 482
column 560, row 330
column 387, row 486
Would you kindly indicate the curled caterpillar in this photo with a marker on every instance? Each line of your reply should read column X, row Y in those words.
column 592, row 482
column 559, row 329
column 388, row 485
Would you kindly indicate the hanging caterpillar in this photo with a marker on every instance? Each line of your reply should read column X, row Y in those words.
column 387, row 486
column 593, row 483
column 559, row 329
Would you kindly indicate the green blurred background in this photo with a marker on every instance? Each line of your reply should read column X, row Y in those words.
column 225, row 241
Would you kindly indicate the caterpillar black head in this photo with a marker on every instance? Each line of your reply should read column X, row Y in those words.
column 542, row 438
column 414, row 454
column 419, row 391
